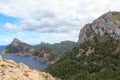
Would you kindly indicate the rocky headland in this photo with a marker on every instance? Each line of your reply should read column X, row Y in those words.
column 47, row 52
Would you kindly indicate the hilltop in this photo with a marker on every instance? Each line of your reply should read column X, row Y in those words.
column 97, row 55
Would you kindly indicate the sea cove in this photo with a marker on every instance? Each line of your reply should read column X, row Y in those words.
column 31, row 62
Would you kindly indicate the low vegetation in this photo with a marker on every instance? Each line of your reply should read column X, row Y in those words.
column 102, row 64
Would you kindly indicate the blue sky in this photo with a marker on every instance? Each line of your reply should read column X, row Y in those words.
column 51, row 21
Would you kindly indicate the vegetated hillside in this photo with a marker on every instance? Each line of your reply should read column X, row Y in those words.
column 97, row 56
column 45, row 51
column 63, row 46
column 92, row 60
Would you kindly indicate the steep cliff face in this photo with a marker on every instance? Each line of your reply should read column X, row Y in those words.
column 9, row 70
column 107, row 24
column 18, row 47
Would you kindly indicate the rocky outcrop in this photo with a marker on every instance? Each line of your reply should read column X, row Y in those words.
column 18, row 47
column 107, row 24
column 9, row 70
column 47, row 55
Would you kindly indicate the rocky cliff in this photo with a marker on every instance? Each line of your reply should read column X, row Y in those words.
column 9, row 70
column 107, row 24
column 97, row 56
column 18, row 47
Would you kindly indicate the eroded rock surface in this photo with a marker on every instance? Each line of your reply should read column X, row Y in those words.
column 9, row 70
column 107, row 24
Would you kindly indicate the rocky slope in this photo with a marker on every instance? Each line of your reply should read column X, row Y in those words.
column 9, row 70
column 97, row 55
column 18, row 47
column 108, row 23
column 45, row 51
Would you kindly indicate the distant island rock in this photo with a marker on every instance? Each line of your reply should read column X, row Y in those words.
column 45, row 51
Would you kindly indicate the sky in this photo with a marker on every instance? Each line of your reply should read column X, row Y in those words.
column 50, row 21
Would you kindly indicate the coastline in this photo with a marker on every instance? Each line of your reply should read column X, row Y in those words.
column 42, row 59
column 33, row 57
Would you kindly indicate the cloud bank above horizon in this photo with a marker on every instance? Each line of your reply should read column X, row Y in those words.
column 35, row 21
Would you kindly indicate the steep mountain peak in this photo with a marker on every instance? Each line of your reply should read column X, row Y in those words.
column 16, row 41
column 107, row 24
column 17, row 47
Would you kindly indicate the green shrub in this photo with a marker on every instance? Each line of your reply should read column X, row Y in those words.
column 101, row 65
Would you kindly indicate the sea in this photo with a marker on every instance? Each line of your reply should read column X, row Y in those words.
column 31, row 62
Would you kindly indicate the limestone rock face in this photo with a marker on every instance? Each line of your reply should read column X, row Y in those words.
column 18, row 47
column 16, row 42
column 9, row 70
column 107, row 24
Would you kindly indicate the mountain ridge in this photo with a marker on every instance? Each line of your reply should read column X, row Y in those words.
column 45, row 51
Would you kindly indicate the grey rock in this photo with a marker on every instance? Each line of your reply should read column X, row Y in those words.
column 107, row 24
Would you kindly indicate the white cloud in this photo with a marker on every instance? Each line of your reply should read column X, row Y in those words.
column 44, row 26
column 56, row 8
column 63, row 18
column 10, row 27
